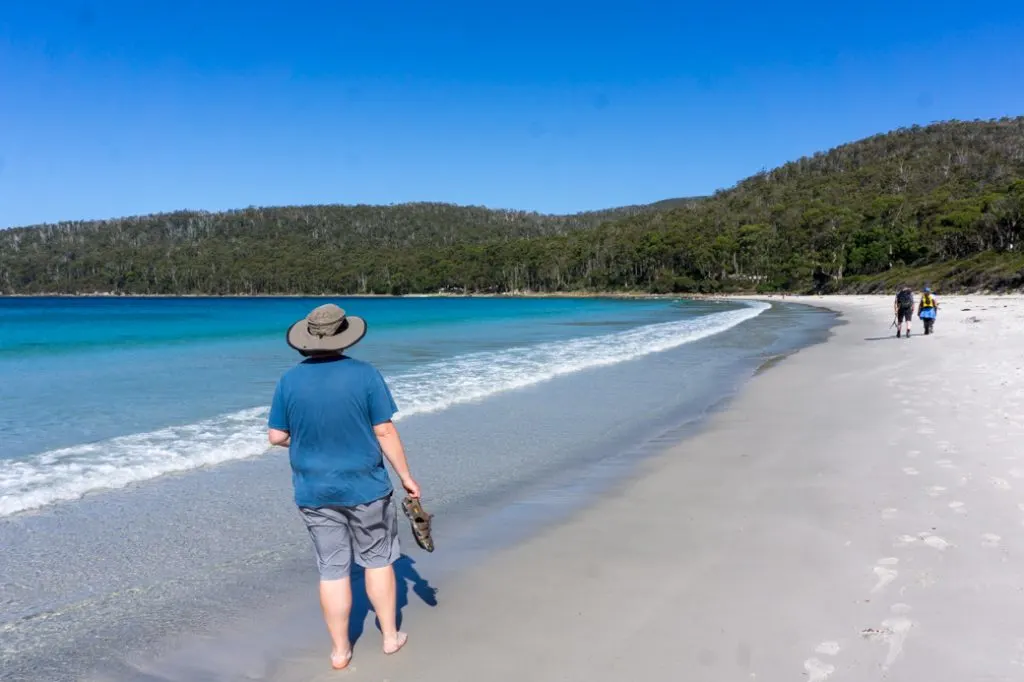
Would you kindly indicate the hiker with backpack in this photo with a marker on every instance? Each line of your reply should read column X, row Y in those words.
column 903, row 308
column 927, row 310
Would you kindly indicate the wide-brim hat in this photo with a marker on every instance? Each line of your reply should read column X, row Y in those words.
column 326, row 328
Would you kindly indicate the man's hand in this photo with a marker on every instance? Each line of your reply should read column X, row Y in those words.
column 411, row 487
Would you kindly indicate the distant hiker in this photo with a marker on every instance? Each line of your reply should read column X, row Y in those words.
column 927, row 310
column 903, row 307
column 334, row 414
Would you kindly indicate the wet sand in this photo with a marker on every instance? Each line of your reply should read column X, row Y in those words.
column 856, row 514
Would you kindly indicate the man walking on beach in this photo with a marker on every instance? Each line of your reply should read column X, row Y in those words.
column 334, row 414
column 903, row 308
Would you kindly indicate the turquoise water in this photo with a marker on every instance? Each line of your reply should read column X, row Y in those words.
column 100, row 393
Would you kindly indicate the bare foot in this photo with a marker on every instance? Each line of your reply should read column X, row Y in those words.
column 341, row 659
column 393, row 644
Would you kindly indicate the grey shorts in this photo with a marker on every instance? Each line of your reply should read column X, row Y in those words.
column 369, row 532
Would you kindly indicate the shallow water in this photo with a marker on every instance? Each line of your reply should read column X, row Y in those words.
column 176, row 566
column 135, row 388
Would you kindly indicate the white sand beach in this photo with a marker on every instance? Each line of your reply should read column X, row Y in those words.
column 857, row 513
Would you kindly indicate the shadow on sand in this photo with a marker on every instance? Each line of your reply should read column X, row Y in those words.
column 406, row 577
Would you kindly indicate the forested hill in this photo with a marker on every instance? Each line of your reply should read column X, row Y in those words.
column 943, row 203
column 260, row 250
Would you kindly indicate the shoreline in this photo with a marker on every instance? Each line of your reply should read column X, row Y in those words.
column 843, row 532
column 518, row 294
column 504, row 498
column 808, row 299
column 511, row 294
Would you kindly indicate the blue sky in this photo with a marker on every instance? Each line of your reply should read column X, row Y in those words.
column 111, row 107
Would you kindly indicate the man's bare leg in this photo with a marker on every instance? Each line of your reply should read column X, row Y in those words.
column 380, row 588
column 336, row 602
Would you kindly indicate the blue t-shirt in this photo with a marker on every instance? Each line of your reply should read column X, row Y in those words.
column 329, row 406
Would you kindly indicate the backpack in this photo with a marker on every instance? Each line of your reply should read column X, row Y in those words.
column 905, row 299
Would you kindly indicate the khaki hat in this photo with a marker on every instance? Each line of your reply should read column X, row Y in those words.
column 326, row 328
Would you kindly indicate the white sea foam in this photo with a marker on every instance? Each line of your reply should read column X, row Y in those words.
column 69, row 473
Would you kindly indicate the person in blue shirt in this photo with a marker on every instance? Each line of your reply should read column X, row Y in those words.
column 334, row 414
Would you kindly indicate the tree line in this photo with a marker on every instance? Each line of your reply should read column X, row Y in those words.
column 943, row 202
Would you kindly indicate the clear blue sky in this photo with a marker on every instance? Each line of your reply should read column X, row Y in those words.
column 113, row 107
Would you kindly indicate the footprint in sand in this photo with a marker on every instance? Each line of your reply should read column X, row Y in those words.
column 935, row 542
column 925, row 431
column 893, row 632
column 944, row 464
column 913, row 453
column 990, row 540
column 889, row 513
column 910, row 471
column 936, row 490
column 905, row 541
column 1000, row 483
column 818, row 671
column 958, row 507
column 884, row 573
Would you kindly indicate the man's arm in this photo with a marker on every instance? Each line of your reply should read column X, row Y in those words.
column 394, row 452
column 277, row 420
column 279, row 437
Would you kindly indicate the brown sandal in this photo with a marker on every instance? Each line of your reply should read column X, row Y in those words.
column 420, row 523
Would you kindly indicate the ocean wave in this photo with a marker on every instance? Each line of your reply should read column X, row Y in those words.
column 69, row 473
